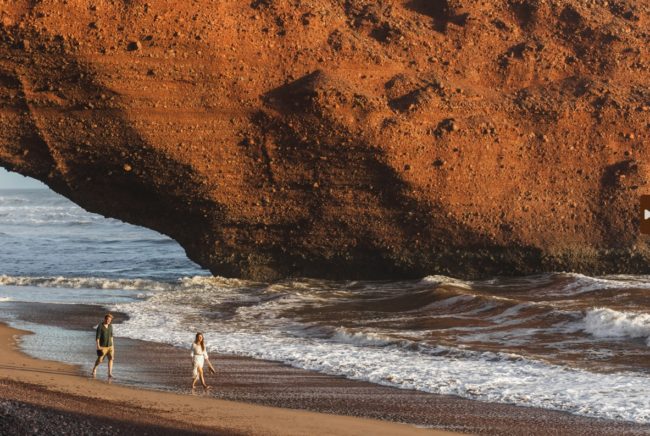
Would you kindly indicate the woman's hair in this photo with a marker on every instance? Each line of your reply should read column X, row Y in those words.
column 196, row 340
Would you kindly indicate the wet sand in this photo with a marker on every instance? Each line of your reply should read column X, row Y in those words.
column 45, row 397
column 274, row 384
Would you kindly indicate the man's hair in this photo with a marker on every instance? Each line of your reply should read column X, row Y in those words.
column 108, row 315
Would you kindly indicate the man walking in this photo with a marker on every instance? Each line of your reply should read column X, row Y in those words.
column 104, row 342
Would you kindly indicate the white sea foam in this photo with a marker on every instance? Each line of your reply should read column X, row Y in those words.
column 582, row 284
column 5, row 299
column 296, row 322
column 578, row 284
column 608, row 323
column 361, row 338
column 197, row 283
column 84, row 282
column 260, row 328
column 444, row 280
column 495, row 377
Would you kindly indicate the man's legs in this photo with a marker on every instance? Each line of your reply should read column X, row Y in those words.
column 106, row 351
column 111, row 356
column 99, row 360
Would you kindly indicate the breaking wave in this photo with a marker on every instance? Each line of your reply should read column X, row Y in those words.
column 84, row 282
column 607, row 323
column 561, row 341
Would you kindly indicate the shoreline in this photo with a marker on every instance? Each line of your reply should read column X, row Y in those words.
column 38, row 384
column 249, row 381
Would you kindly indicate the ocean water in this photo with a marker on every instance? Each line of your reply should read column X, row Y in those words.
column 559, row 341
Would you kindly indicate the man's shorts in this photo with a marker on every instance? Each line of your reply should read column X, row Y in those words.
column 106, row 351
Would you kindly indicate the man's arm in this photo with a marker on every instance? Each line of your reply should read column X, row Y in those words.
column 99, row 332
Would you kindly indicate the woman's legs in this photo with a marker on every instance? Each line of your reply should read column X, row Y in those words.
column 195, row 375
column 202, row 379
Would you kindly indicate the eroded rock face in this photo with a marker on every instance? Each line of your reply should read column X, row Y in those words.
column 346, row 139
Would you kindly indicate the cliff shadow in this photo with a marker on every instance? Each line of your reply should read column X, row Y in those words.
column 366, row 205
column 71, row 132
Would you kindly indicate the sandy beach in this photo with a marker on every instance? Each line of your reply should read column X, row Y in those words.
column 385, row 218
column 50, row 392
column 249, row 396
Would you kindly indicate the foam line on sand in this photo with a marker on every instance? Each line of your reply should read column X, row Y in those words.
column 63, row 385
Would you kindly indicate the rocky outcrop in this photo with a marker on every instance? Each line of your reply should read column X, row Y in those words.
column 346, row 139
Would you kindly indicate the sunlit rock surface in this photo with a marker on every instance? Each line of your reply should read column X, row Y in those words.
column 344, row 139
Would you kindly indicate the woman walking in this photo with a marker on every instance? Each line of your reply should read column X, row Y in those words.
column 199, row 357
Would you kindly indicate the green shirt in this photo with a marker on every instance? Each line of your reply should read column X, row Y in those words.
column 105, row 335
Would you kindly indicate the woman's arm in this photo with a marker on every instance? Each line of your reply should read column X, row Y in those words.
column 210, row 366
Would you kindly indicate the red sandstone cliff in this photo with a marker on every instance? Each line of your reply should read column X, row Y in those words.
column 341, row 138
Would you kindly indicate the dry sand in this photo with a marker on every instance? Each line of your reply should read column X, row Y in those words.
column 56, row 387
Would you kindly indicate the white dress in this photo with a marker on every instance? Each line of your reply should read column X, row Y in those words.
column 198, row 358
